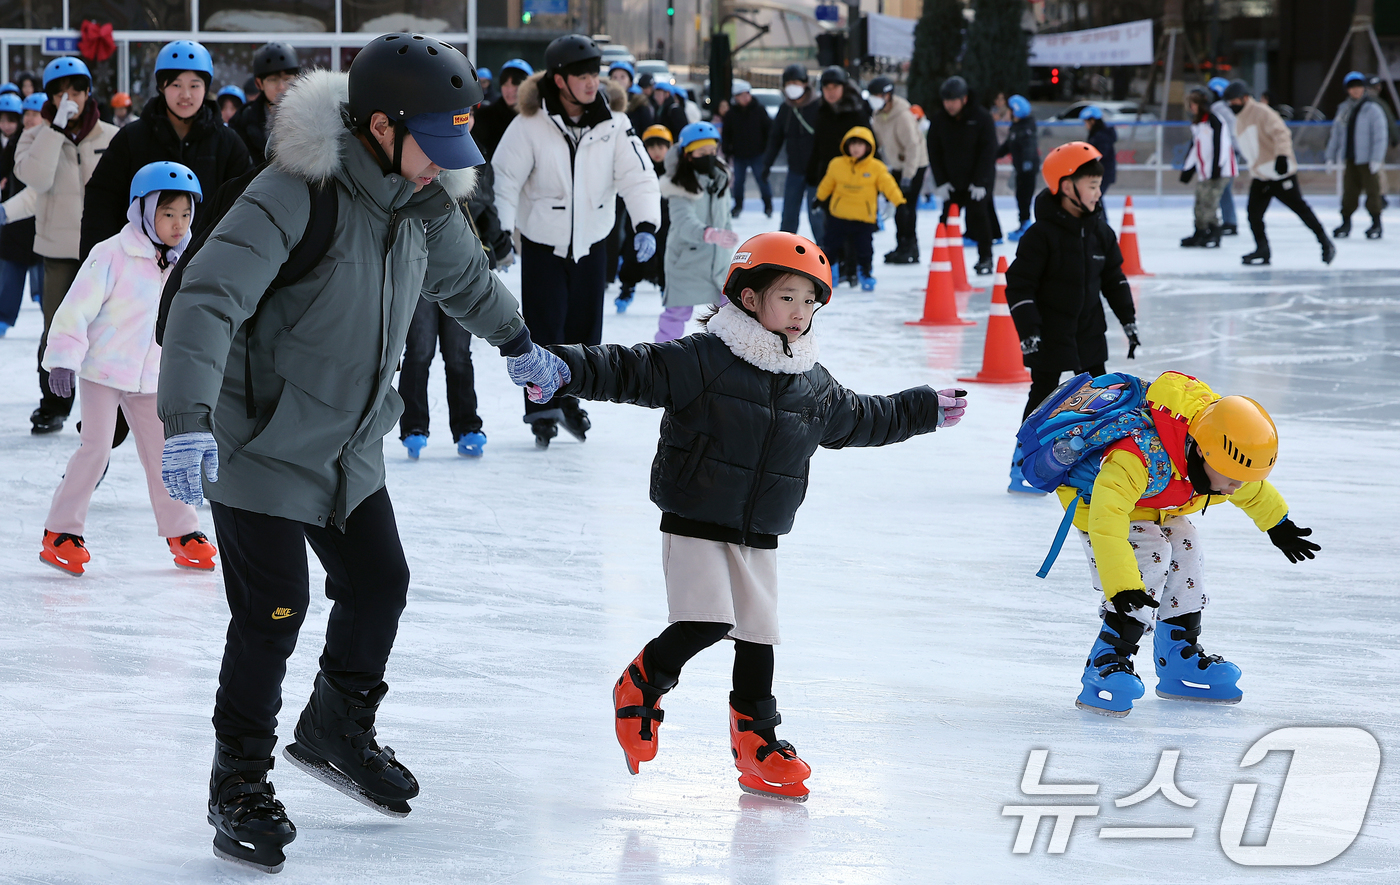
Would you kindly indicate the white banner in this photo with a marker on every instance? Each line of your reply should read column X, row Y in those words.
column 1129, row 44
column 889, row 37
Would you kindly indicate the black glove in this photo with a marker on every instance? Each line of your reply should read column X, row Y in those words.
column 1292, row 541
column 1130, row 329
column 1030, row 345
column 1124, row 601
column 1281, row 165
column 1186, row 175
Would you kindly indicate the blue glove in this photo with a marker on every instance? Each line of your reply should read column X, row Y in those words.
column 3, row 222
column 645, row 244
column 179, row 465
column 539, row 371
column 61, row 381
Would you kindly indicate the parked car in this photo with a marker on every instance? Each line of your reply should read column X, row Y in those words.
column 771, row 99
column 615, row 52
column 657, row 68
column 1113, row 112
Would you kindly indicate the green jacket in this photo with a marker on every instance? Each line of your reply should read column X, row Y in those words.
column 324, row 351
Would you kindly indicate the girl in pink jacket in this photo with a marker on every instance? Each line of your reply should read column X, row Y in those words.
column 103, row 339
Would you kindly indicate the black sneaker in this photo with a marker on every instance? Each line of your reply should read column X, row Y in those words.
column 545, row 430
column 43, row 422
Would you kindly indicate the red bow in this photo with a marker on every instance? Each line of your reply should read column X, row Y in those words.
column 96, row 41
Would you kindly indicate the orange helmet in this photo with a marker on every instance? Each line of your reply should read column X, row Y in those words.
column 917, row 111
column 121, row 100
column 777, row 250
column 1065, row 160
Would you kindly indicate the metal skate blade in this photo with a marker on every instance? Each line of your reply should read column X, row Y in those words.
column 767, row 795
column 632, row 767
column 1089, row 708
column 329, row 775
column 1199, row 700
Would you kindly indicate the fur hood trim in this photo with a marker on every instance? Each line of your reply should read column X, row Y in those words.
column 757, row 346
column 309, row 133
column 528, row 98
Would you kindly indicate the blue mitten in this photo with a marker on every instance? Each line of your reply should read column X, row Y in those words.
column 645, row 244
column 539, row 371
column 184, row 454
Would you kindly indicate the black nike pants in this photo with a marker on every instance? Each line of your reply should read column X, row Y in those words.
column 1287, row 192
column 265, row 578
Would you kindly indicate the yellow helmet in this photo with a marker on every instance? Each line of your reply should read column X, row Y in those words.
column 657, row 131
column 1237, row 438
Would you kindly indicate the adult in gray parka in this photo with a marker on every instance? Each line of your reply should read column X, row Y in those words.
column 284, row 401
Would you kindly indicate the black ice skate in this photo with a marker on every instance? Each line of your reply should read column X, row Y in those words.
column 1258, row 256
column 250, row 825
column 1374, row 231
column 1196, row 240
column 1229, row 230
column 335, row 744
column 1329, row 251
column 1212, row 240
column 904, row 252
column 575, row 419
column 1342, row 231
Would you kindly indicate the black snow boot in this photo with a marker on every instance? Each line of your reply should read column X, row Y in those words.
column 575, row 418
column 1212, row 237
column 335, row 744
column 904, row 252
column 1197, row 239
column 1374, row 231
column 1343, row 230
column 250, row 825
column 1260, row 255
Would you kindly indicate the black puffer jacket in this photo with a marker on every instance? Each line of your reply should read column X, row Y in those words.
column 211, row 150
column 490, row 125
column 746, row 130
column 17, row 237
column 736, row 440
column 795, row 127
column 1104, row 138
column 1062, row 264
column 962, row 149
column 833, row 122
column 250, row 124
column 1023, row 144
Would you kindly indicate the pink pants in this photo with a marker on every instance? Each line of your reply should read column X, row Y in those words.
column 671, row 325
column 99, row 403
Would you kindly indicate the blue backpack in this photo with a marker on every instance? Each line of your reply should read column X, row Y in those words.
column 1063, row 440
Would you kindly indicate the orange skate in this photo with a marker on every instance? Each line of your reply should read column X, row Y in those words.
column 639, row 740
column 193, row 551
column 766, row 769
column 64, row 552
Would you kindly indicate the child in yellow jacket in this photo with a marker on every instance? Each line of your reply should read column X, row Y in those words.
column 1145, row 555
column 851, row 191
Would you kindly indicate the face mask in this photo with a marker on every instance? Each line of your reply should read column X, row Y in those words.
column 876, row 103
column 704, row 165
column 793, row 91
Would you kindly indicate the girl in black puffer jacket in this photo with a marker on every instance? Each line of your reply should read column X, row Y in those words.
column 746, row 406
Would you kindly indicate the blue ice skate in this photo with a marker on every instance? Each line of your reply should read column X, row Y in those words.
column 1184, row 671
column 1110, row 683
column 1018, row 480
column 415, row 442
column 867, row 282
column 1015, row 235
column 471, row 445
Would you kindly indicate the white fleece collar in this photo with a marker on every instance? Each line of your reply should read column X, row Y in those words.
column 759, row 347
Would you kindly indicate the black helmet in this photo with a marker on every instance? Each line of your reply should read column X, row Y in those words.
column 794, row 73
column 880, row 85
column 569, row 50
column 405, row 75
column 1237, row 89
column 646, row 81
column 274, row 57
column 953, row 87
column 833, row 74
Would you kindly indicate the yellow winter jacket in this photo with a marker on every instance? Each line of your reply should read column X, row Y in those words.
column 854, row 186
column 1122, row 481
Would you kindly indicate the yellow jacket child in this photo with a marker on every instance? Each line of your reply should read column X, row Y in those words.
column 855, row 180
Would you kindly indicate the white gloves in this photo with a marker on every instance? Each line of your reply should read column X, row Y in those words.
column 943, row 192
column 1376, row 167
column 67, row 110
column 977, row 192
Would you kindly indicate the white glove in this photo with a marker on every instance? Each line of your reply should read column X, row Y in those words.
column 977, row 192
column 943, row 192
column 1376, row 167
column 67, row 110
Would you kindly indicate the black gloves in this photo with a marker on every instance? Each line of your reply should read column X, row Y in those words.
column 1292, row 541
column 1186, row 175
column 1030, row 345
column 1130, row 329
column 1281, row 165
column 1124, row 601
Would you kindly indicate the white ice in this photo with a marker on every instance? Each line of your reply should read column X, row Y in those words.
column 922, row 660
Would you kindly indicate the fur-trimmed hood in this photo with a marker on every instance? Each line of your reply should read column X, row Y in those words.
column 311, row 132
column 715, row 183
column 529, row 102
column 757, row 346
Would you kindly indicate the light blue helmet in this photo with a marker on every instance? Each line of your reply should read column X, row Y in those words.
column 185, row 55
column 1354, row 77
column 1218, row 85
column 35, row 102
column 11, row 104
column 693, row 132
column 234, row 91
column 623, row 65
column 1092, row 112
column 484, row 74
column 518, row 64
column 164, row 176
column 67, row 66
column 8, row 88
column 1020, row 108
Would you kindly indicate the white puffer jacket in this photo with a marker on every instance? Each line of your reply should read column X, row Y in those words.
column 561, row 195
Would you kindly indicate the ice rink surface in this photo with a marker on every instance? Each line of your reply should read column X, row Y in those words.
column 922, row 660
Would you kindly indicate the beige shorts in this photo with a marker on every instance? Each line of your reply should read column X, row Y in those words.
column 722, row 583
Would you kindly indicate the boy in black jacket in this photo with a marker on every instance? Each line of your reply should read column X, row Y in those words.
column 1022, row 143
column 1063, row 262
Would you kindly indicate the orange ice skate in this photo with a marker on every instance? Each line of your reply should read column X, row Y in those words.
column 193, row 551
column 637, row 720
column 64, row 552
column 766, row 769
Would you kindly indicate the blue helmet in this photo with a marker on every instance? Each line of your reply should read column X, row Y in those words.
column 634, row 89
column 7, row 88
column 35, row 102
column 1092, row 112
column 11, row 104
column 693, row 132
column 1020, row 108
column 185, row 55
column 518, row 64
column 67, row 66
column 484, row 74
column 1354, row 77
column 164, row 176
column 623, row 66
column 234, row 91
column 1218, row 85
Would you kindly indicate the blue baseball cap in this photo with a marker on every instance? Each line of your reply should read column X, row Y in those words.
column 446, row 139
column 1354, row 77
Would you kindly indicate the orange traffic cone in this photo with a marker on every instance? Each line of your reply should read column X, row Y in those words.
column 1001, row 355
column 955, row 250
column 940, row 304
column 1127, row 243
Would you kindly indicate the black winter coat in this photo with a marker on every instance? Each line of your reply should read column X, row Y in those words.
column 962, row 149
column 211, row 150
column 746, row 131
column 1104, row 139
column 1023, row 144
column 250, row 124
column 796, row 127
column 833, row 122
column 1062, row 264
column 490, row 125
column 480, row 207
column 16, row 238
column 672, row 116
column 736, row 440
column 641, row 112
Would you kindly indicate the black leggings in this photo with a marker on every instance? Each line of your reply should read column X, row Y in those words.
column 1044, row 382
column 683, row 640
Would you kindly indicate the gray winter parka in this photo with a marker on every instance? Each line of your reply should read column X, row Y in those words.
column 1372, row 135
column 321, row 353
column 695, row 269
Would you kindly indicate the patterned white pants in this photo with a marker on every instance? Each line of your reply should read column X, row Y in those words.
column 1172, row 566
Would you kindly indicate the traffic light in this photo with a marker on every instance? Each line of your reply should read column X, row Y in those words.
column 670, row 10
column 525, row 18
column 1054, row 76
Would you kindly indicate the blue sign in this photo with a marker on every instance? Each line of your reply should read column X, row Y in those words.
column 828, row 12
column 545, row 7
column 61, row 45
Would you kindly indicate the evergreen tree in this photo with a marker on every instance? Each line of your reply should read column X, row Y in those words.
column 938, row 41
column 997, row 50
